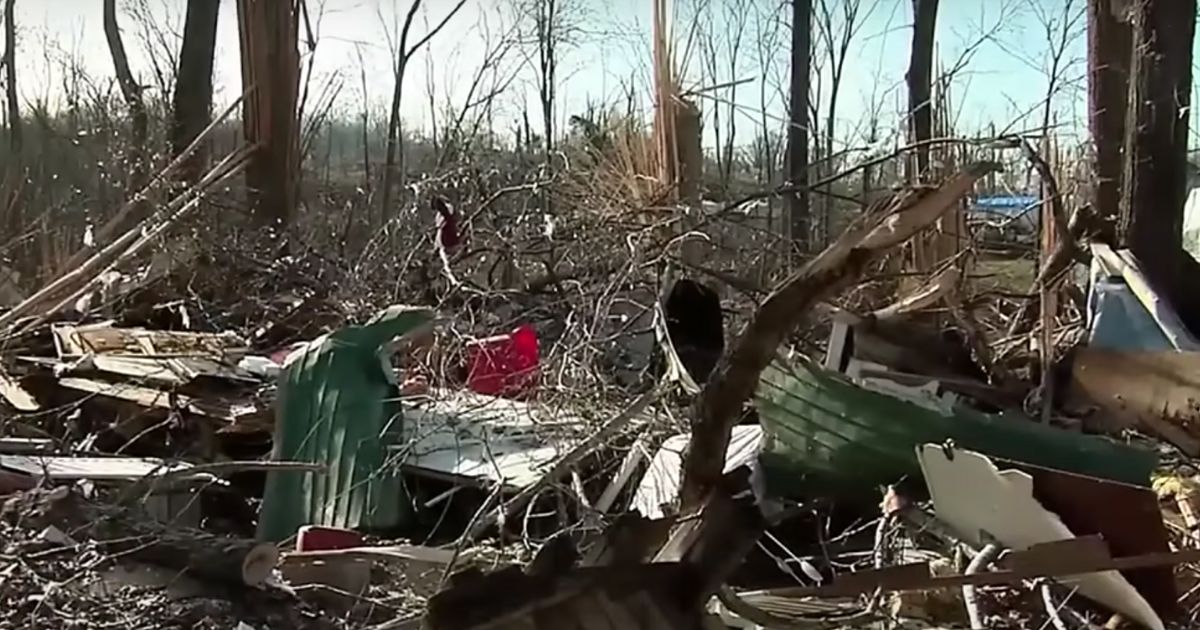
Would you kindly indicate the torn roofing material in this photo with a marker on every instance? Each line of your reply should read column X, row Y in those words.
column 337, row 406
column 823, row 428
column 484, row 439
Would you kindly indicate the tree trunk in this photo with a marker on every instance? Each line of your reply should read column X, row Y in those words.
column 548, row 60
column 798, row 122
column 10, row 78
column 194, row 85
column 394, row 154
column 131, row 91
column 920, row 81
column 393, row 166
column 1109, row 52
column 1156, row 134
column 271, row 64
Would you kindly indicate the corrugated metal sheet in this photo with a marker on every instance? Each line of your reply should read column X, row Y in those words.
column 660, row 485
column 337, row 406
column 824, row 429
column 484, row 438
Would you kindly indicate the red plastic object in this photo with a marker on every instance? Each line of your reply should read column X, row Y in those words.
column 504, row 365
column 318, row 538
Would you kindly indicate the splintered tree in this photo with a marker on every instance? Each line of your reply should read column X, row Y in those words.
column 131, row 91
column 797, row 139
column 393, row 166
column 271, row 68
column 920, row 82
column 1156, row 135
column 194, row 86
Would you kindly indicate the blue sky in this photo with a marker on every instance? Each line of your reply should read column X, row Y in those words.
column 1002, row 44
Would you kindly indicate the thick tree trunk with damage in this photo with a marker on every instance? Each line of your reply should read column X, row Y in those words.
column 920, row 82
column 194, row 85
column 1155, row 183
column 1109, row 52
column 797, row 139
column 271, row 64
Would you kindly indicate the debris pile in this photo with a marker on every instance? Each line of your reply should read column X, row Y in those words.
column 1032, row 452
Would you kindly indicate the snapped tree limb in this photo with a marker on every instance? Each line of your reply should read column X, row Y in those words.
column 736, row 377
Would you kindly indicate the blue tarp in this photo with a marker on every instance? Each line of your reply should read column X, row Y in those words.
column 1003, row 204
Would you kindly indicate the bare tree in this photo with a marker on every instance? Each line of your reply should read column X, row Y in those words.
column 546, row 18
column 798, row 106
column 1059, row 30
column 721, row 43
column 836, row 33
column 490, row 79
column 766, row 40
column 10, row 77
column 550, row 27
column 365, row 120
column 156, row 34
column 131, row 91
column 920, row 81
column 404, row 52
column 12, row 206
column 194, row 88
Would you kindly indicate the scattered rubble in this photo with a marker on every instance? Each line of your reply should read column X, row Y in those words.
column 385, row 474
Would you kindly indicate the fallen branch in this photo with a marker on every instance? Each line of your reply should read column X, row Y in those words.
column 123, row 532
column 736, row 377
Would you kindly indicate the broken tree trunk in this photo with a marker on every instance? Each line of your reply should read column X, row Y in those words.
column 271, row 64
column 736, row 377
column 1156, row 137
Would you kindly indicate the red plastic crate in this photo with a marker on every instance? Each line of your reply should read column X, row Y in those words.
column 504, row 365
